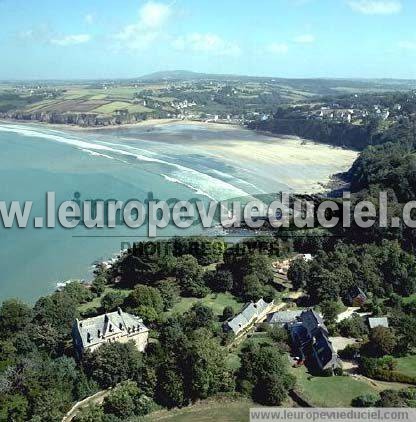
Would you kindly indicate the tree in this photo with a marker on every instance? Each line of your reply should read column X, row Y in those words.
column 278, row 333
column 14, row 407
column 253, row 289
column 354, row 326
column 189, row 275
column 298, row 273
column 169, row 292
column 91, row 413
column 78, row 292
column 227, row 313
column 382, row 341
column 148, row 313
column 170, row 390
column 207, row 365
column 98, row 285
column 240, row 261
column 121, row 401
column 112, row 363
column 365, row 400
column 146, row 262
column 59, row 309
column 391, row 398
column 406, row 333
column 50, row 405
column 112, row 300
column 14, row 316
column 322, row 285
column 46, row 338
column 199, row 316
column 266, row 369
column 219, row 280
column 145, row 296
column 271, row 391
column 205, row 249
column 330, row 310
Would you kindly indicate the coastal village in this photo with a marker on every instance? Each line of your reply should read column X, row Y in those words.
column 313, row 319
column 310, row 345
column 210, row 99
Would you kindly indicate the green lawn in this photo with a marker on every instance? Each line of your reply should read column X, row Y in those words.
column 216, row 301
column 210, row 410
column 407, row 365
column 330, row 391
column 410, row 299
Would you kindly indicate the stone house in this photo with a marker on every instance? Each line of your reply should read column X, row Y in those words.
column 118, row 326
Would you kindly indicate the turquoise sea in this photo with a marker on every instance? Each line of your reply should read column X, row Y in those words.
column 180, row 161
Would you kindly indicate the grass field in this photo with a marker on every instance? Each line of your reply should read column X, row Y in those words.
column 216, row 301
column 407, row 365
column 120, row 105
column 330, row 391
column 224, row 410
column 410, row 299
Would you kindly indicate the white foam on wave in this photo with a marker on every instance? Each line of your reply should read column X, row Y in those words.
column 208, row 185
column 199, row 182
column 193, row 188
column 231, row 177
column 96, row 154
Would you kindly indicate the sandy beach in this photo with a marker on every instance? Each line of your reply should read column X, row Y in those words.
column 141, row 124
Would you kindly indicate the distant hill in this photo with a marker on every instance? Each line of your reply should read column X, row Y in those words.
column 187, row 75
column 309, row 84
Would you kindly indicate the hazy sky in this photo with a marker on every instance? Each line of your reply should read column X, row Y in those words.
column 128, row 38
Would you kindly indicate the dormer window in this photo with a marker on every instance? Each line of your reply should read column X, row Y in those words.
column 88, row 337
column 120, row 326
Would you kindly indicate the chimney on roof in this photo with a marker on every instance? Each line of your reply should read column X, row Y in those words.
column 119, row 311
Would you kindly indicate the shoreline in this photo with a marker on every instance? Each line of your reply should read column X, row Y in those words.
column 142, row 123
column 323, row 187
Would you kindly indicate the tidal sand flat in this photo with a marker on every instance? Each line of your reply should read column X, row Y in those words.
column 267, row 163
column 177, row 160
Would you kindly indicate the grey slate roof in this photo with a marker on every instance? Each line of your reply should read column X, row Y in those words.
column 283, row 317
column 250, row 311
column 311, row 331
column 324, row 352
column 94, row 330
column 378, row 322
column 312, row 321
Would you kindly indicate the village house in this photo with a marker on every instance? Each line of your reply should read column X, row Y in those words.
column 356, row 297
column 310, row 340
column 118, row 326
column 378, row 322
column 283, row 318
column 251, row 313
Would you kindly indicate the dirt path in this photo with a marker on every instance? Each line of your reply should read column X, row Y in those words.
column 96, row 398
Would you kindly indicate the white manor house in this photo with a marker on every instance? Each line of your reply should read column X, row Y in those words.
column 118, row 326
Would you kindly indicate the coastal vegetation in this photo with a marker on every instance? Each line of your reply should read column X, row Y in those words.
column 236, row 99
column 186, row 288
